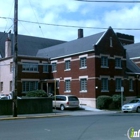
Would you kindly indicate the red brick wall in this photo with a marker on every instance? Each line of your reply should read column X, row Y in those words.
column 74, row 73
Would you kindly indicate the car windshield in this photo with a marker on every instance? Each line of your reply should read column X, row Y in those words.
column 135, row 101
column 73, row 98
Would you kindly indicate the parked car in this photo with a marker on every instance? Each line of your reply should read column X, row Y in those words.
column 133, row 106
column 8, row 98
column 65, row 101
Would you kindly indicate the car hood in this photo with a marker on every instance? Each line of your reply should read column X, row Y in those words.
column 129, row 104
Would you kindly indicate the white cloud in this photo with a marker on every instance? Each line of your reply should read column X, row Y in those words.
column 68, row 12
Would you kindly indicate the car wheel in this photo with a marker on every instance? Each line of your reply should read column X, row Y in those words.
column 62, row 107
column 138, row 109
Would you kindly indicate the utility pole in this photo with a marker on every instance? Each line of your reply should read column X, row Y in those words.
column 15, row 54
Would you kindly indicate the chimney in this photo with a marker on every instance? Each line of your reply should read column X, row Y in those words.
column 8, row 45
column 80, row 33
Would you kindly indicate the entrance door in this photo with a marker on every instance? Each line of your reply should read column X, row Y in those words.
column 45, row 87
column 51, row 88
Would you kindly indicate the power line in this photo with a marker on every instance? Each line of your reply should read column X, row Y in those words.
column 70, row 26
column 108, row 1
column 36, row 18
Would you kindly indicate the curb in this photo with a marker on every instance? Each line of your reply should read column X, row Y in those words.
column 32, row 117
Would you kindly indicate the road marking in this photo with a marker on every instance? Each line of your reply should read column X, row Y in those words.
column 47, row 130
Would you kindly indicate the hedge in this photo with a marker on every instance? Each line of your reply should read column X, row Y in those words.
column 36, row 93
column 104, row 101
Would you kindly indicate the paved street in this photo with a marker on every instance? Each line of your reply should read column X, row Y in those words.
column 88, row 127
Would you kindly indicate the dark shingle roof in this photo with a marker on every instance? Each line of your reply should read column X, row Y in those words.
column 132, row 67
column 71, row 47
column 28, row 45
column 133, row 50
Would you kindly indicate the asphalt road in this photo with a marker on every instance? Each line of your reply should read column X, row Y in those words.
column 88, row 127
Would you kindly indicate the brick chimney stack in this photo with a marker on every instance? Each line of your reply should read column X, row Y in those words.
column 8, row 45
column 80, row 33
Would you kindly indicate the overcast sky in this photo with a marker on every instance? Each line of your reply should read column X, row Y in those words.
column 69, row 12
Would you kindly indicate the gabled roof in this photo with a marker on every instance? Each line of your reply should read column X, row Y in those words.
column 28, row 45
column 131, row 66
column 133, row 50
column 72, row 47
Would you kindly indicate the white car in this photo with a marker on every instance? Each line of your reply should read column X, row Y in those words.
column 133, row 106
column 65, row 101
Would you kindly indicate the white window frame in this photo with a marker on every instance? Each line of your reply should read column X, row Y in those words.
column 83, row 88
column 67, row 84
column 30, row 67
column 67, row 65
column 54, row 67
column 83, row 63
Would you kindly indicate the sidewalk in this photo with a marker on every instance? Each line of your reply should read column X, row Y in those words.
column 84, row 110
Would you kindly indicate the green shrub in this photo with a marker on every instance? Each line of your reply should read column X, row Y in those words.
column 116, row 98
column 103, row 102
column 36, row 93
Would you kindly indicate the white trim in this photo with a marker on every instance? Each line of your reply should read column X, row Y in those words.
column 83, row 91
column 66, row 59
column 67, row 91
column 72, row 54
column 137, row 62
column 67, row 78
column 115, row 77
column 100, row 38
column 103, row 90
column 104, row 76
column 92, row 56
column 135, row 58
column 107, row 55
column 30, row 80
column 30, row 61
column 67, row 70
column 85, row 67
column 83, row 77
column 117, row 56
column 55, row 61
column 85, row 55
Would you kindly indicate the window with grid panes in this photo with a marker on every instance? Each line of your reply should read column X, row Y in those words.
column 67, row 65
column 53, row 67
column 83, row 84
column 29, row 86
column 118, row 62
column 104, row 82
column 83, row 62
column 104, row 61
column 26, row 66
column 45, row 67
column 118, row 83
column 67, row 86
